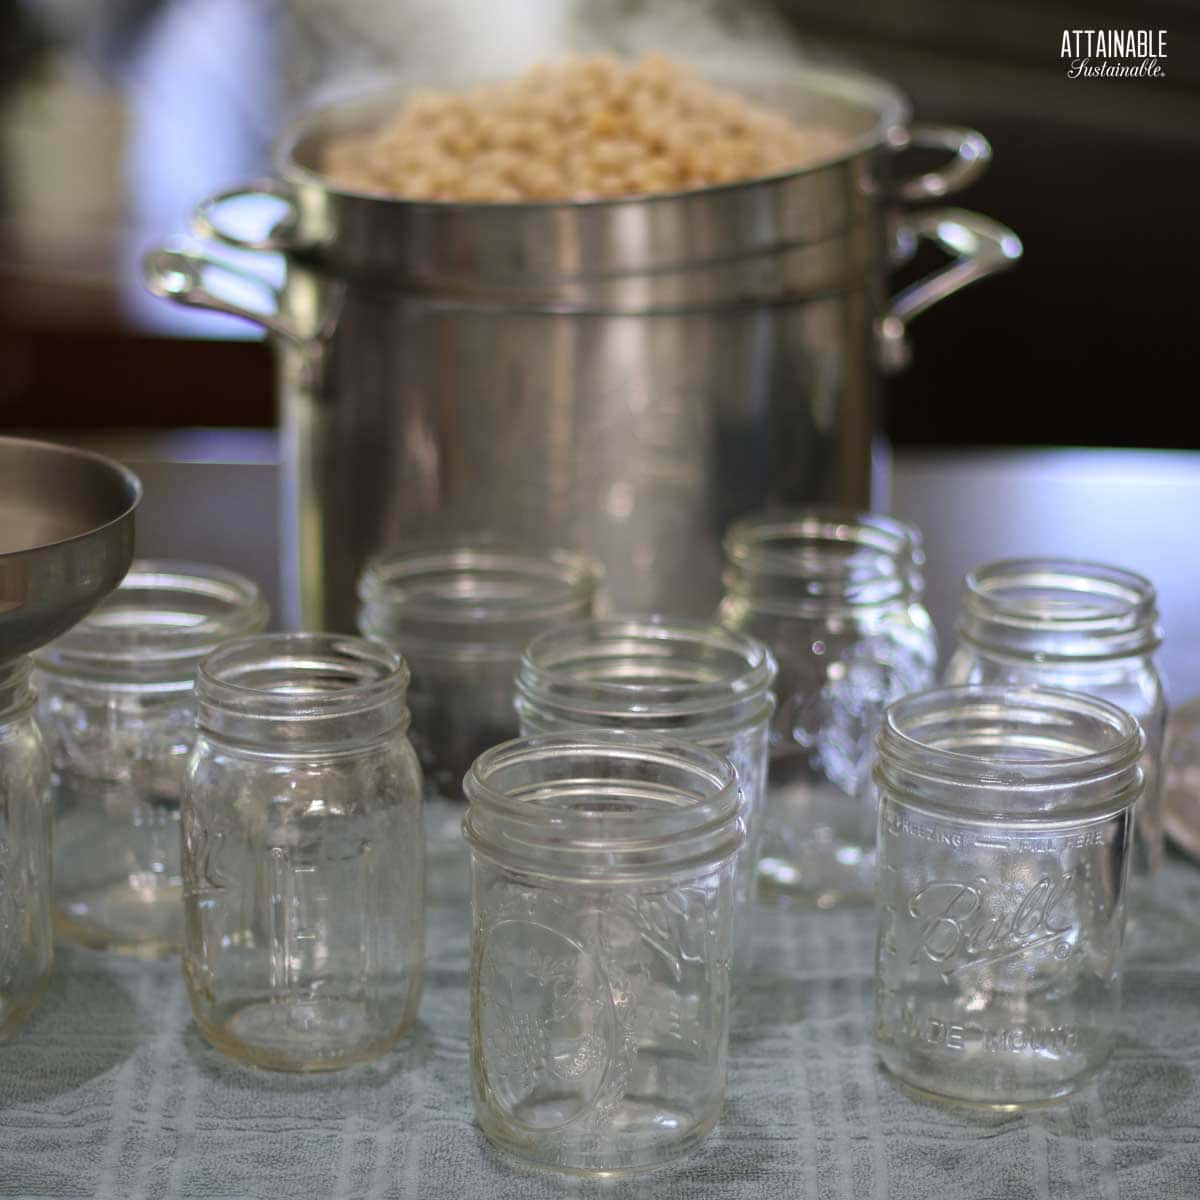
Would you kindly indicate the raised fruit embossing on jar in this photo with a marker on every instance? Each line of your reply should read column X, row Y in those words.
column 602, row 905
column 546, row 1022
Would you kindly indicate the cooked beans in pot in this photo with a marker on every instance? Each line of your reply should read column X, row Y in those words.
column 577, row 129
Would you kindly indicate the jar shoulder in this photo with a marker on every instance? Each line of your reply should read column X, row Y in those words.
column 385, row 774
column 907, row 625
column 1134, row 683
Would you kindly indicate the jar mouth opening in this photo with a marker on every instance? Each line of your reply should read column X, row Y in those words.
column 161, row 621
column 602, row 796
column 1017, row 739
column 300, row 675
column 454, row 584
column 643, row 668
column 851, row 557
column 1059, row 609
column 1060, row 593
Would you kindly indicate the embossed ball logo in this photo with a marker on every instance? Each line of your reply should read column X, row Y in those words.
column 964, row 926
column 546, row 1024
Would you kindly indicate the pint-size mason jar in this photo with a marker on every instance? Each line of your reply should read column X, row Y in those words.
column 460, row 613
column 115, row 702
column 837, row 597
column 1005, row 826
column 670, row 678
column 1078, row 625
column 26, row 935
column 303, row 853
column 601, row 918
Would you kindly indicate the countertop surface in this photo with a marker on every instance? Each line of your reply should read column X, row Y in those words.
column 210, row 495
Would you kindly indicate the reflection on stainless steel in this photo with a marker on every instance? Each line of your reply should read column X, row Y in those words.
column 1181, row 799
column 979, row 246
column 623, row 377
column 66, row 538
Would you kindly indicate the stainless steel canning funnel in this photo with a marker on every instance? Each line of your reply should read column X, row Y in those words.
column 66, row 538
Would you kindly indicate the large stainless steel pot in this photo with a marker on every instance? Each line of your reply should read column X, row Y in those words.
column 622, row 376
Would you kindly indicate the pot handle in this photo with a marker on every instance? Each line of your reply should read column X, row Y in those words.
column 972, row 153
column 979, row 247
column 192, row 278
column 206, row 223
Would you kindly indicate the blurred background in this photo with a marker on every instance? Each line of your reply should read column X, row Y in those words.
column 116, row 116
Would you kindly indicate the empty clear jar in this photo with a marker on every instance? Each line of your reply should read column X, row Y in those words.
column 1005, row 824
column 837, row 597
column 1082, row 626
column 671, row 678
column 116, row 708
column 602, row 903
column 461, row 615
column 303, row 862
column 26, row 935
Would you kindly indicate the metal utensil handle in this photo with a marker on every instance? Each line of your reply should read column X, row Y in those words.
column 282, row 235
column 190, row 277
column 979, row 247
column 972, row 153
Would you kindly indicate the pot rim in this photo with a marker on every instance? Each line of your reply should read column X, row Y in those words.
column 893, row 115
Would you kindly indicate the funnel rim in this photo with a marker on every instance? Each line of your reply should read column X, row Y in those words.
column 132, row 482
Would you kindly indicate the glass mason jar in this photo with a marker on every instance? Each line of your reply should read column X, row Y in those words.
column 1081, row 626
column 1005, row 822
column 601, row 908
column 461, row 615
column 26, row 935
column 837, row 597
column 116, row 708
column 669, row 678
column 303, row 853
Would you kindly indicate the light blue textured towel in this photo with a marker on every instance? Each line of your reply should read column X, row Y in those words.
column 110, row 1092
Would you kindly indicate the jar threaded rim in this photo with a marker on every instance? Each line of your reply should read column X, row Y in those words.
column 823, row 558
column 599, row 804
column 306, row 688
column 158, row 624
column 644, row 672
column 473, row 596
column 1059, row 608
column 1039, row 748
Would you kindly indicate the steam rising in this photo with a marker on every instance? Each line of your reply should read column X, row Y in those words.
column 336, row 48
